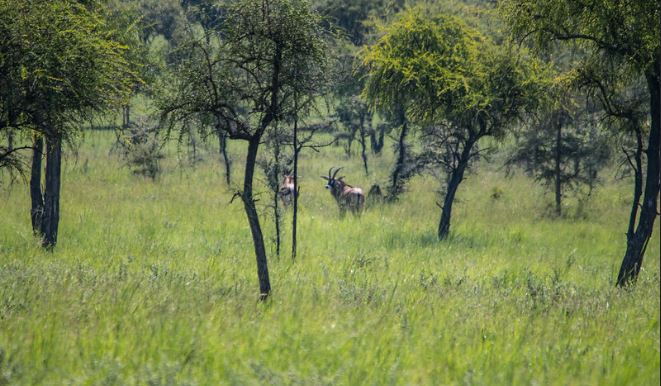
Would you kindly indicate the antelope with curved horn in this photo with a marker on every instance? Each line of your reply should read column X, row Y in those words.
column 287, row 191
column 347, row 196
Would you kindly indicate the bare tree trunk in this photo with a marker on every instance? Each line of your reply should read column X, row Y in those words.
column 638, row 182
column 376, row 142
column 297, row 150
column 126, row 116
column 222, row 142
column 253, row 219
column 456, row 177
column 276, row 190
column 636, row 245
column 350, row 138
column 276, row 217
column 396, row 184
column 10, row 140
column 36, row 195
column 363, row 149
column 558, row 170
column 50, row 223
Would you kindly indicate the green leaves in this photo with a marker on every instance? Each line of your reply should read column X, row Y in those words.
column 62, row 60
column 438, row 69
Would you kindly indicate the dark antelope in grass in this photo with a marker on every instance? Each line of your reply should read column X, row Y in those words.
column 347, row 196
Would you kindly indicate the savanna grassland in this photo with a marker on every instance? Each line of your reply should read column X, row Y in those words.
column 155, row 283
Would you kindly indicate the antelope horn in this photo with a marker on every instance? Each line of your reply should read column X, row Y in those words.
column 336, row 170
column 329, row 172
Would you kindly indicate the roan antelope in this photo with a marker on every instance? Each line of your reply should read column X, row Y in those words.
column 347, row 196
column 287, row 191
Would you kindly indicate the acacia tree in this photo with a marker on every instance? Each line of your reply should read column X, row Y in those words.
column 67, row 62
column 265, row 57
column 619, row 38
column 561, row 146
column 458, row 86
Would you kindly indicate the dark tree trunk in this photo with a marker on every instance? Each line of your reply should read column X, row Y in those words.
column 51, row 218
column 638, row 182
column 297, row 150
column 276, row 194
column 363, row 149
column 350, row 138
column 36, row 195
column 126, row 116
column 222, row 142
column 558, row 170
column 253, row 219
column 376, row 142
column 396, row 183
column 636, row 245
column 276, row 219
column 456, row 177
column 10, row 141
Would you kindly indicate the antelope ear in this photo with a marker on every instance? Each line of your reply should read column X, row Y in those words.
column 341, row 178
column 324, row 177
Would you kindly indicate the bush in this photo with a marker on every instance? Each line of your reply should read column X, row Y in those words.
column 142, row 148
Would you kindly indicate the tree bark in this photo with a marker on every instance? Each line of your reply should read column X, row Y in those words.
column 10, row 141
column 363, row 149
column 36, row 195
column 126, row 116
column 636, row 245
column 376, row 142
column 456, row 177
column 396, row 187
column 253, row 219
column 638, row 182
column 222, row 141
column 51, row 219
column 558, row 170
column 297, row 150
column 276, row 217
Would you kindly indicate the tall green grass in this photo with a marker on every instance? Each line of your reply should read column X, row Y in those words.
column 154, row 283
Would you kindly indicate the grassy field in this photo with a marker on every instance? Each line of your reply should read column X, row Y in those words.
column 154, row 283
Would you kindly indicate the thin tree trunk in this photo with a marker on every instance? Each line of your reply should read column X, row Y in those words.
column 276, row 191
column 558, row 170
column 253, row 219
column 36, row 195
column 638, row 183
column 456, row 177
column 276, row 216
column 396, row 187
column 222, row 142
column 633, row 257
column 296, row 191
column 363, row 149
column 126, row 116
column 51, row 218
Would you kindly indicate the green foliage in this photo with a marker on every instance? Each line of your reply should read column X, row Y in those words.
column 583, row 151
column 419, row 59
column 353, row 16
column 623, row 31
column 62, row 60
column 254, row 70
column 439, row 69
